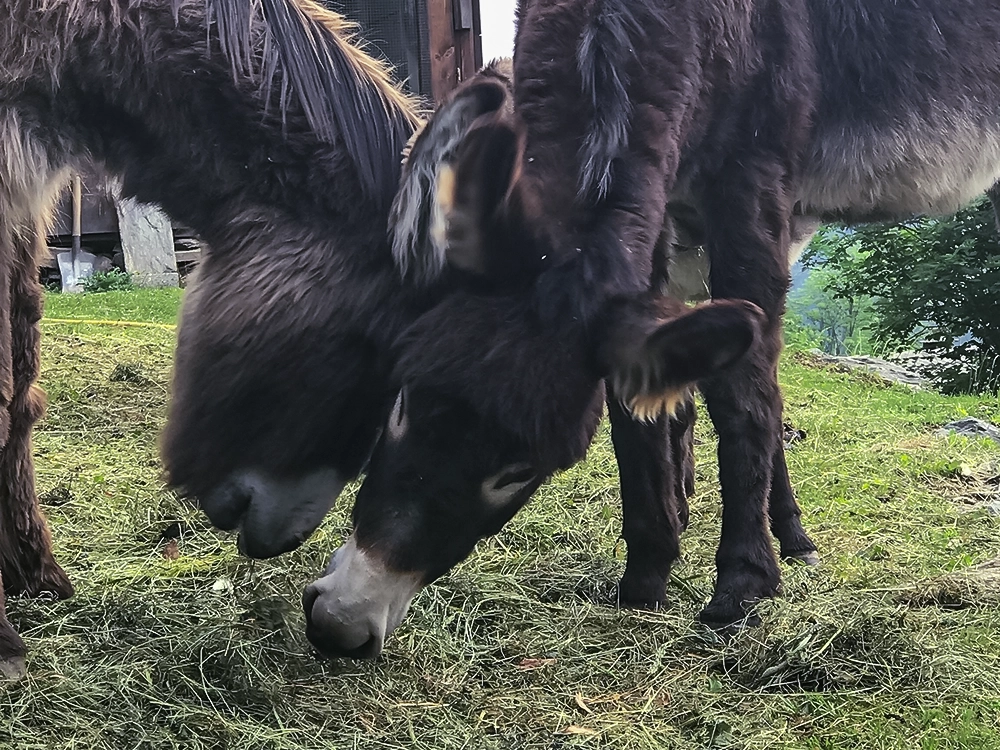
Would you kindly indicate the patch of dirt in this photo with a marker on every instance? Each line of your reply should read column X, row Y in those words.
column 978, row 586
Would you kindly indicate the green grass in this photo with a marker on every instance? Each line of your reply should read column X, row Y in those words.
column 150, row 305
column 893, row 642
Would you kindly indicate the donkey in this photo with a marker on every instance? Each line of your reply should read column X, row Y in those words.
column 283, row 158
column 262, row 127
column 769, row 116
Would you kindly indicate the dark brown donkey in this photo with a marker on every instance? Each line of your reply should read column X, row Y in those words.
column 191, row 112
column 767, row 116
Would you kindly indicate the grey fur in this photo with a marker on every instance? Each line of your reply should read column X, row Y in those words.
column 603, row 65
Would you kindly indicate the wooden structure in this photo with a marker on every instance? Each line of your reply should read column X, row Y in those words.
column 433, row 44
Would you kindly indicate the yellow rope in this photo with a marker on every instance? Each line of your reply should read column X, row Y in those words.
column 132, row 323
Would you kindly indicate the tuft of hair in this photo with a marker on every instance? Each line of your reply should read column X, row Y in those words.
column 603, row 57
column 649, row 407
column 344, row 92
column 416, row 220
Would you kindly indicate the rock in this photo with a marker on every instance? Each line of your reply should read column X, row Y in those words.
column 147, row 243
column 888, row 371
column 971, row 427
column 791, row 434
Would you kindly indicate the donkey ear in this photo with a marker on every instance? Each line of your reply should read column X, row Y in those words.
column 429, row 153
column 480, row 206
column 657, row 352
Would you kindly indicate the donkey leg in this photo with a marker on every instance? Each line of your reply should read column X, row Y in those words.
column 26, row 560
column 786, row 516
column 12, row 649
column 682, row 455
column 748, row 242
column 650, row 521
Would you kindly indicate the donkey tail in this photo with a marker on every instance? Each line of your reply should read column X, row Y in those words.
column 344, row 93
column 603, row 58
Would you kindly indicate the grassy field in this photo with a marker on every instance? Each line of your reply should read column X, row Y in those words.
column 173, row 640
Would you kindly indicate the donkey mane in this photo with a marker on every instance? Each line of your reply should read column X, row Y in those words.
column 344, row 92
column 602, row 61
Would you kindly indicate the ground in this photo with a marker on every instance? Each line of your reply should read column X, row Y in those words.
column 173, row 639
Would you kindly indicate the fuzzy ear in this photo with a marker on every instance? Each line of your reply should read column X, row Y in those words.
column 480, row 204
column 656, row 352
column 429, row 155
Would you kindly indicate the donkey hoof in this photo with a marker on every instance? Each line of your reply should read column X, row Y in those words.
column 55, row 581
column 805, row 557
column 729, row 614
column 649, row 594
column 13, row 669
column 52, row 579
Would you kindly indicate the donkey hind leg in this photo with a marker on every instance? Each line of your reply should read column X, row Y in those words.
column 786, row 516
column 26, row 560
column 651, row 524
column 682, row 457
column 12, row 649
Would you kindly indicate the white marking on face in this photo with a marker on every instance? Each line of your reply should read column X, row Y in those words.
column 398, row 423
column 505, row 486
column 360, row 599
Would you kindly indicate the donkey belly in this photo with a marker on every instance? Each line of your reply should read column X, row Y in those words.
column 915, row 168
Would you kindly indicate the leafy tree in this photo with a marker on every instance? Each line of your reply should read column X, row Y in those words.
column 935, row 285
column 840, row 318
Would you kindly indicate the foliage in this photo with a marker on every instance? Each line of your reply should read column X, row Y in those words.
column 841, row 320
column 175, row 640
column 934, row 285
column 112, row 280
column 798, row 334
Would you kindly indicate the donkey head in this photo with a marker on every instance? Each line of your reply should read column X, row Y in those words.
column 494, row 395
column 281, row 380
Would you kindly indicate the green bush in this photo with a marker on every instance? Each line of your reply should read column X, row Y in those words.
column 108, row 281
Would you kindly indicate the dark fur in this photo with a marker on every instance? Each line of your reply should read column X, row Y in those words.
column 751, row 113
column 291, row 199
column 767, row 116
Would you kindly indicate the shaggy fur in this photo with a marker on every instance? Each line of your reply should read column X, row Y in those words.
column 651, row 490
column 270, row 156
column 749, row 113
column 767, row 116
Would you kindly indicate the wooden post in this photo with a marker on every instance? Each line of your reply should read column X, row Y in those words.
column 456, row 47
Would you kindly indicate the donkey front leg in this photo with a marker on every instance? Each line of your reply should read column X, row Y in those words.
column 12, row 649
column 748, row 242
column 651, row 523
column 26, row 561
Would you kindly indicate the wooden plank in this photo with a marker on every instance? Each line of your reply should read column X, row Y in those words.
column 188, row 256
column 455, row 43
column 147, row 243
column 477, row 35
column 443, row 52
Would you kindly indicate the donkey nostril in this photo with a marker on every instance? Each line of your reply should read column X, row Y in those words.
column 309, row 597
column 226, row 505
